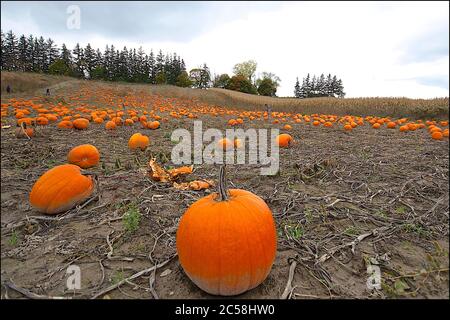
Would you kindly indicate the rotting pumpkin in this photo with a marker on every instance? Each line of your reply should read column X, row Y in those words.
column 60, row 189
column 226, row 241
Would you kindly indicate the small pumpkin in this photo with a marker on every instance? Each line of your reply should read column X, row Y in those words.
column 84, row 156
column 138, row 140
column 225, row 144
column 437, row 135
column 153, row 125
column 23, row 132
column 60, row 189
column 42, row 121
column 391, row 125
column 65, row 124
column 110, row 125
column 284, row 140
column 226, row 241
column 80, row 123
column 237, row 143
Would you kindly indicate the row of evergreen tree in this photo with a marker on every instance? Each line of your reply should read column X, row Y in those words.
column 321, row 86
column 35, row 54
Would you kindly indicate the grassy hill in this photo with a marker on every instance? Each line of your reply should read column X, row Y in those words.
column 396, row 107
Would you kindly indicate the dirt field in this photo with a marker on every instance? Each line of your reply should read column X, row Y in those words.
column 341, row 201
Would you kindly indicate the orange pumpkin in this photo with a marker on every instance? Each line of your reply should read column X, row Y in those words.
column 23, row 132
column 80, row 123
column 153, row 125
column 437, row 135
column 60, row 189
column 226, row 241
column 225, row 144
column 42, row 121
column 84, row 156
column 287, row 127
column 348, row 127
column 237, row 143
column 391, row 125
column 284, row 140
column 138, row 140
column 445, row 133
column 110, row 125
column 65, row 125
column 376, row 125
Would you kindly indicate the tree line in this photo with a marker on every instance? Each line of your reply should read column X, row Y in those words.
column 319, row 86
column 35, row 54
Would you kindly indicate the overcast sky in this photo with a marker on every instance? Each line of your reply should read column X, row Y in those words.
column 376, row 48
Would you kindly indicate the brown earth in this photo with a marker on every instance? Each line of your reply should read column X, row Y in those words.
column 332, row 187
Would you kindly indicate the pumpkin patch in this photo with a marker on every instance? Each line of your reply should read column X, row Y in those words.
column 90, row 173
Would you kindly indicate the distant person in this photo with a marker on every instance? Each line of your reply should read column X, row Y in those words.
column 47, row 93
column 269, row 110
column 8, row 89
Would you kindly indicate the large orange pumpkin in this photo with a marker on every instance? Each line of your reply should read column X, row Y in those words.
column 60, row 189
column 84, row 156
column 227, row 241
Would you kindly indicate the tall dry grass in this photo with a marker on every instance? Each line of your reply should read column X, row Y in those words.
column 379, row 106
column 392, row 107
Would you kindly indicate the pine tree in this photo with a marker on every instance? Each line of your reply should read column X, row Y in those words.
column 52, row 53
column 151, row 68
column 22, row 54
column 340, row 89
column 89, row 59
column 334, row 87
column 66, row 55
column 205, row 77
column 9, row 56
column 78, row 60
column 321, row 86
column 328, row 90
column 122, row 67
column 307, row 87
column 297, row 89
column 2, row 44
column 141, row 66
column 159, row 63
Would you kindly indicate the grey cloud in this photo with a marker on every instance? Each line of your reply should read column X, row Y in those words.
column 434, row 81
column 429, row 46
column 178, row 21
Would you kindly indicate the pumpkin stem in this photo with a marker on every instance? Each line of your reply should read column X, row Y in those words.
column 222, row 186
column 23, row 125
